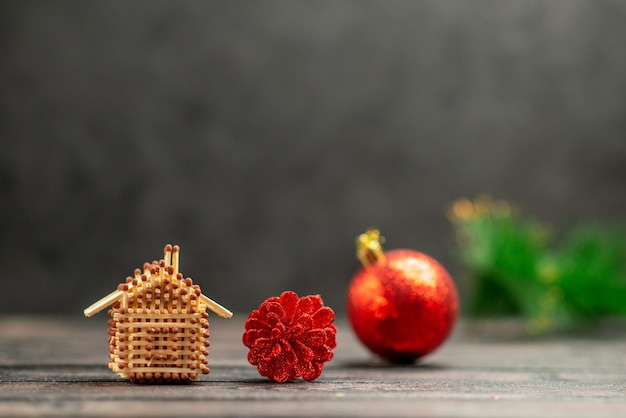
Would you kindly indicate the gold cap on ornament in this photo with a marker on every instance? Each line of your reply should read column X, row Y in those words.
column 369, row 248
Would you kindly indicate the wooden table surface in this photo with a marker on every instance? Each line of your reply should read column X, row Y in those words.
column 56, row 367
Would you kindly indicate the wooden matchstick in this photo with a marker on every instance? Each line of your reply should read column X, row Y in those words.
column 103, row 303
column 175, row 258
column 167, row 254
column 216, row 307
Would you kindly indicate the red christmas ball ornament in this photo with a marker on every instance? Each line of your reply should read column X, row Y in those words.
column 402, row 304
column 290, row 337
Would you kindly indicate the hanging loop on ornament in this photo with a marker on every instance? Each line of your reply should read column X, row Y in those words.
column 369, row 248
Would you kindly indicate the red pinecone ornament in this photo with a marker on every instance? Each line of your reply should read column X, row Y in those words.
column 290, row 337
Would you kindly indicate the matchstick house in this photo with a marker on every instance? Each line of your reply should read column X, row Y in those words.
column 159, row 328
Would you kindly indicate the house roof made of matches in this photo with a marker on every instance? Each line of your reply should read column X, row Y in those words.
column 163, row 272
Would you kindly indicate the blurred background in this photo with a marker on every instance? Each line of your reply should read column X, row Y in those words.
column 263, row 137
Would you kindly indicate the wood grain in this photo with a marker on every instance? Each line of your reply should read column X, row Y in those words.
column 56, row 367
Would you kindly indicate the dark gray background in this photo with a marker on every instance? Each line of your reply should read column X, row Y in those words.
column 264, row 136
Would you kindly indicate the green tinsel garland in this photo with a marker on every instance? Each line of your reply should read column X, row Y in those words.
column 515, row 267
